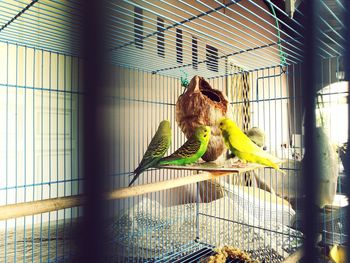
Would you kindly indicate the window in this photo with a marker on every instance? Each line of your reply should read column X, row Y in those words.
column 138, row 27
column 194, row 53
column 212, row 58
column 179, row 57
column 160, row 37
column 332, row 111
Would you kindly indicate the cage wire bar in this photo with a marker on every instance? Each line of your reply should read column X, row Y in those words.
column 271, row 100
column 49, row 25
column 150, row 44
column 92, row 233
column 311, row 143
column 40, row 148
column 221, row 40
column 40, row 145
column 347, row 77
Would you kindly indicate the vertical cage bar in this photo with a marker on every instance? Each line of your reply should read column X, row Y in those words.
column 64, row 149
column 34, row 159
column 93, row 235
column 16, row 171
column 42, row 150
column 7, row 136
column 50, row 157
column 25, row 149
column 57, row 152
column 310, row 169
column 71, row 171
column 346, row 14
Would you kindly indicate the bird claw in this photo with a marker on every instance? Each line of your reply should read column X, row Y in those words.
column 238, row 163
column 241, row 165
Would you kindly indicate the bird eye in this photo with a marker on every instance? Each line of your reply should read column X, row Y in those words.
column 220, row 123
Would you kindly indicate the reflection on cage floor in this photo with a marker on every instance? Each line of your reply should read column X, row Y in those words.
column 54, row 242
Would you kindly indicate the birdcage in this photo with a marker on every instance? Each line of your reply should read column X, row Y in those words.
column 251, row 52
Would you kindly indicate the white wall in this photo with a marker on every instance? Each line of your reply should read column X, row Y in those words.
column 39, row 136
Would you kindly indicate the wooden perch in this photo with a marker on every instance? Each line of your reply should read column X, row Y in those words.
column 41, row 206
column 54, row 204
column 208, row 171
column 163, row 185
column 213, row 167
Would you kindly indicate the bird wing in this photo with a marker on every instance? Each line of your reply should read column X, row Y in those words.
column 241, row 142
column 156, row 150
column 188, row 149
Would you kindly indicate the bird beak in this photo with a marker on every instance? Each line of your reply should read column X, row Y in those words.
column 218, row 122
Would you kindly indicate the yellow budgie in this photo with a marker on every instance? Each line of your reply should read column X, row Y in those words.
column 243, row 147
column 338, row 254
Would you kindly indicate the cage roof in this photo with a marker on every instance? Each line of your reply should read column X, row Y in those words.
column 209, row 38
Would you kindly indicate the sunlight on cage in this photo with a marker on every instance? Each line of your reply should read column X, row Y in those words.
column 251, row 51
column 211, row 213
column 39, row 106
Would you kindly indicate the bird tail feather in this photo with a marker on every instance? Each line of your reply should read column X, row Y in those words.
column 281, row 171
column 273, row 165
column 134, row 178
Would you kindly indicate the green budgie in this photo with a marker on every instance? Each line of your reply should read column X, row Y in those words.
column 156, row 149
column 192, row 150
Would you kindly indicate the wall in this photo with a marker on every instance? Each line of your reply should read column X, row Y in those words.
column 39, row 142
